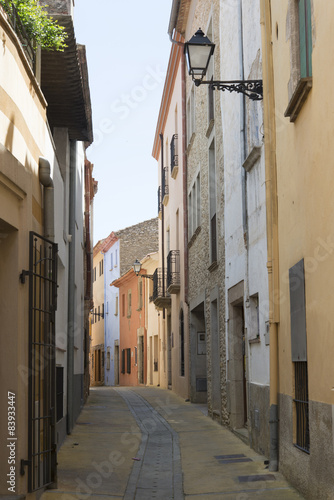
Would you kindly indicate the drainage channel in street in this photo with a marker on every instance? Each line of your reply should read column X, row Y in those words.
column 156, row 471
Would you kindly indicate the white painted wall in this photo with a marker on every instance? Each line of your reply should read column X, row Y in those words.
column 111, row 320
column 242, row 266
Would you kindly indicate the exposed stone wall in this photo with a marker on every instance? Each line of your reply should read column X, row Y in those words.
column 57, row 6
column 314, row 478
column 136, row 242
column 202, row 277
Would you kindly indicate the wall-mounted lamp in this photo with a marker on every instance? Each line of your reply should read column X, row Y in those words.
column 101, row 315
column 137, row 267
column 198, row 52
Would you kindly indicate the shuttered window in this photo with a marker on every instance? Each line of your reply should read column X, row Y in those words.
column 305, row 37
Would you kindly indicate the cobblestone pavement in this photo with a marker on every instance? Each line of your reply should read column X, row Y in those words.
column 145, row 443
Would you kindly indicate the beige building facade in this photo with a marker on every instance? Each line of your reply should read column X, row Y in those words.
column 41, row 232
column 171, row 296
column 298, row 118
column 97, row 314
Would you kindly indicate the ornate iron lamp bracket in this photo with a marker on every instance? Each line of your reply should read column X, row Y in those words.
column 251, row 88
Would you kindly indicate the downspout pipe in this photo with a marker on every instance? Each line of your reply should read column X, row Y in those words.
column 45, row 179
column 71, row 290
column 272, row 226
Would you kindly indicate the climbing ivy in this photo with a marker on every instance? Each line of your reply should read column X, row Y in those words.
column 41, row 28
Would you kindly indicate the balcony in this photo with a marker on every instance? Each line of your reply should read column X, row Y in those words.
column 165, row 187
column 173, row 271
column 15, row 22
column 159, row 202
column 174, row 158
column 161, row 297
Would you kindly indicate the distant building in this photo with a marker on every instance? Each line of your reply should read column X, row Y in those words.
column 170, row 285
column 117, row 253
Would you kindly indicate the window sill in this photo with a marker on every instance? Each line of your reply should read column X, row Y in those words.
column 190, row 143
column 213, row 266
column 298, row 98
column 194, row 236
column 210, row 127
column 256, row 340
column 252, row 158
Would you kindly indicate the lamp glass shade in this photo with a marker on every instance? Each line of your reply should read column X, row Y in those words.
column 198, row 52
column 136, row 266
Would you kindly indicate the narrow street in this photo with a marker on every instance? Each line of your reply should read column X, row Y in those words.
column 146, row 443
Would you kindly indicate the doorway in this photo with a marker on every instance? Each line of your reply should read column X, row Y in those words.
column 116, row 363
column 237, row 364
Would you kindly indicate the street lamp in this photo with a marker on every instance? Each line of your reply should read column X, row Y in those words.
column 198, row 51
column 137, row 267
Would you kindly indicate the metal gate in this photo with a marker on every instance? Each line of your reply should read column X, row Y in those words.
column 42, row 362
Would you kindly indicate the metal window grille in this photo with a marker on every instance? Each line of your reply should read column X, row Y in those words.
column 213, row 239
column 173, row 268
column 28, row 44
column 128, row 364
column 60, row 392
column 174, row 159
column 182, row 370
column 42, row 362
column 302, row 406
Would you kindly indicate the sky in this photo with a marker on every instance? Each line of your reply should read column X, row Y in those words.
column 127, row 49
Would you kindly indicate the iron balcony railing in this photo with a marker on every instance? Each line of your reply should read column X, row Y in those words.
column 174, row 159
column 16, row 23
column 161, row 297
column 173, row 271
column 164, row 184
column 159, row 200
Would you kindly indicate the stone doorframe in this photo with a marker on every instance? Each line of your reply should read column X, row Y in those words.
column 237, row 397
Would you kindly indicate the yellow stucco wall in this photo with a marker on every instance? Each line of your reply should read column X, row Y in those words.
column 305, row 178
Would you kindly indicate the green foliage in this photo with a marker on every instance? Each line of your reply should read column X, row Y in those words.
column 43, row 29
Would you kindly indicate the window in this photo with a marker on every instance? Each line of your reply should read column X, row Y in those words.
column 299, row 354
column 94, row 274
column 111, row 261
column 99, row 315
column 102, row 311
column 136, row 355
column 302, row 406
column 108, row 358
column 194, row 206
column 300, row 17
column 60, row 392
column 123, row 304
column 128, row 364
column 254, row 317
column 116, row 258
column 140, row 294
column 210, row 73
column 305, row 38
column 123, row 361
column 182, row 370
column 191, row 114
column 116, row 305
column 129, row 303
column 213, row 203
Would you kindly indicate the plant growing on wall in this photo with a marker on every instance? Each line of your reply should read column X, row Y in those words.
column 41, row 28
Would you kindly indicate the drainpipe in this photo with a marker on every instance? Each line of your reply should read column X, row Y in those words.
column 272, row 224
column 71, row 289
column 44, row 173
column 185, row 178
column 46, row 180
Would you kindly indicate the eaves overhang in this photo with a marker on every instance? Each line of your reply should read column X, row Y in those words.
column 64, row 82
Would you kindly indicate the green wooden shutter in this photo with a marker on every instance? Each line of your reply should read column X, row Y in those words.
column 305, row 37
